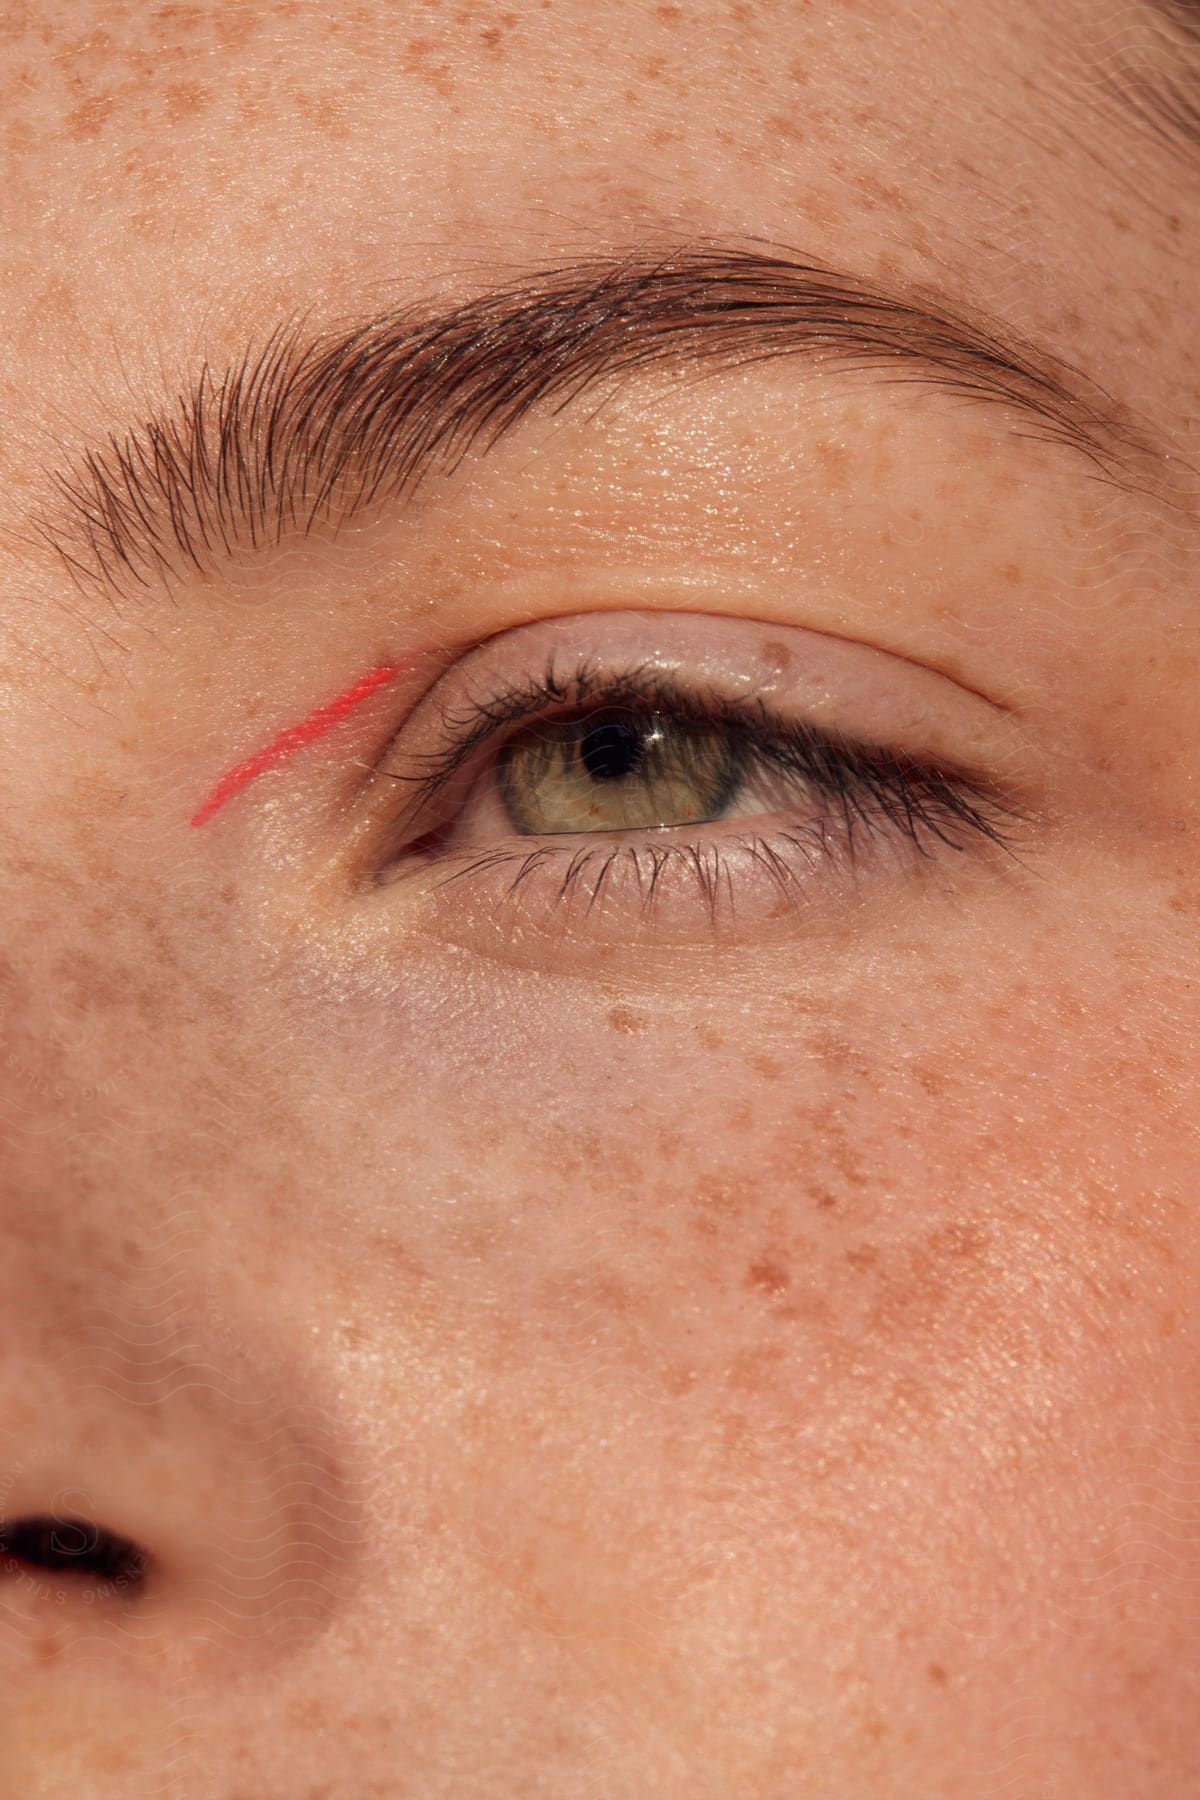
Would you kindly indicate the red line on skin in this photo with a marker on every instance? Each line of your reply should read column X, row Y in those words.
column 297, row 737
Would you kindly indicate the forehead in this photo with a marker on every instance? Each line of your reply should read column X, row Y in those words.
column 441, row 108
column 343, row 158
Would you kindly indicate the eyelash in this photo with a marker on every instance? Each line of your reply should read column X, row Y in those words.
column 869, row 789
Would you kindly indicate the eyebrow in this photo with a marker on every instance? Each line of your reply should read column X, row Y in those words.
column 304, row 429
column 1156, row 75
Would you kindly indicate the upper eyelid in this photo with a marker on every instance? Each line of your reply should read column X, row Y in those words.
column 761, row 724
column 875, row 694
column 485, row 718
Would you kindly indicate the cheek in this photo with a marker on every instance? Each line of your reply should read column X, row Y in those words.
column 936, row 1161
column 792, row 1211
column 964, row 1193
column 891, row 1321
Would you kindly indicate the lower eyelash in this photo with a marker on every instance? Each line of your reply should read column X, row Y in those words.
column 728, row 875
column 646, row 862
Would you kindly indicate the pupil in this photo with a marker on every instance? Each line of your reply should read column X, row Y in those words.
column 611, row 750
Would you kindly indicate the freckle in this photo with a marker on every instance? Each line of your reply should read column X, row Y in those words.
column 834, row 461
column 810, row 1309
column 48, row 1649
column 1011, row 573
column 862, row 1256
column 20, row 137
column 625, row 1019
column 930, row 1080
column 840, row 1055
column 179, row 18
column 752, row 1371
column 962, row 1237
column 778, row 655
column 824, row 1200
column 767, row 1277
column 769, row 1067
column 57, row 299
column 936, row 1674
column 308, row 1714
column 710, row 1039
column 327, row 111
column 184, row 100
column 730, row 1198
column 946, row 981
column 86, row 121
column 784, row 126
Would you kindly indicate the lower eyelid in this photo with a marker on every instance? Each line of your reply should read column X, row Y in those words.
column 615, row 884
column 752, row 879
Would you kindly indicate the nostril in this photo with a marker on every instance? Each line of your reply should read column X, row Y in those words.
column 74, row 1546
column 191, row 1518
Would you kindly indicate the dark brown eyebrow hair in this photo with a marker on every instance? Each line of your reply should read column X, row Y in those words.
column 1156, row 74
column 309, row 429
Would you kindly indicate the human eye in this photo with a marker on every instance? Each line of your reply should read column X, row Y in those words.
column 675, row 776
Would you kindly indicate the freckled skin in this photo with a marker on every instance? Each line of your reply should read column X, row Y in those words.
column 761, row 1373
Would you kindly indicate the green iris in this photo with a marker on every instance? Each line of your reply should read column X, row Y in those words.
column 617, row 771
